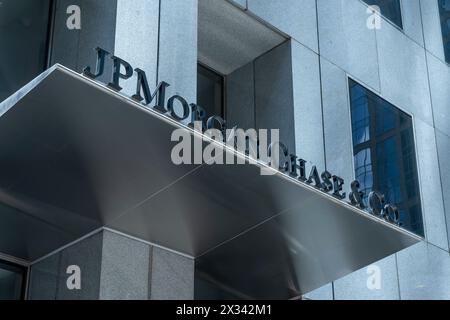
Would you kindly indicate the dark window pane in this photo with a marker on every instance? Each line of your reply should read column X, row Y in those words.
column 11, row 282
column 388, row 170
column 360, row 116
column 23, row 38
column 210, row 91
column 386, row 120
column 389, row 9
column 363, row 168
column 385, row 158
column 444, row 10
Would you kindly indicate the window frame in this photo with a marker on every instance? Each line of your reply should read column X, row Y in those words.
column 414, row 136
column 50, row 34
column 223, row 86
column 446, row 56
column 8, row 264
column 400, row 28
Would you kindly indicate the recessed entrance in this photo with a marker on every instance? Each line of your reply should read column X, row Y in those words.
column 12, row 281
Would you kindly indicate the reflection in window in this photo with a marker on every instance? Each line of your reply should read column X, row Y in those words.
column 384, row 152
column 444, row 10
column 363, row 168
column 360, row 116
column 23, row 38
column 389, row 9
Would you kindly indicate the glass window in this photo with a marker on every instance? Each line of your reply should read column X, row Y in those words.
column 11, row 281
column 23, row 37
column 210, row 91
column 384, row 153
column 444, row 10
column 389, row 9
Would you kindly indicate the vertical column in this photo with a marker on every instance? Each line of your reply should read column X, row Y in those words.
column 74, row 48
column 48, row 278
column 113, row 267
column 159, row 37
column 337, row 121
column 297, row 18
column 443, row 145
column 136, row 38
column 274, row 93
column 128, row 29
column 282, row 89
column 240, row 98
column 307, row 105
column 172, row 276
column 432, row 31
column 177, row 63
column 125, row 268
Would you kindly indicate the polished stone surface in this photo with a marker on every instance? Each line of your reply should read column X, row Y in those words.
column 403, row 73
column 412, row 20
column 229, row 38
column 430, row 183
column 351, row 46
column 241, row 98
column 432, row 28
column 139, row 18
column 125, row 268
column 363, row 284
column 273, row 93
column 423, row 272
column 296, row 18
column 443, row 146
column 337, row 121
column 87, row 255
column 322, row 294
column 307, row 105
column 172, row 276
column 75, row 48
column 439, row 74
column 177, row 59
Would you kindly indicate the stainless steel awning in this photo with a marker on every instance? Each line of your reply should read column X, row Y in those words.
column 76, row 156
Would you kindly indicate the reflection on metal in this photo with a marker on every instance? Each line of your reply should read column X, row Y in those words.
column 75, row 156
column 289, row 164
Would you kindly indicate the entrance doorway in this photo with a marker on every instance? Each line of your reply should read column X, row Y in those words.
column 12, row 281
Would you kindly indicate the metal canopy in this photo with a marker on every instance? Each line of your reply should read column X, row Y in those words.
column 76, row 156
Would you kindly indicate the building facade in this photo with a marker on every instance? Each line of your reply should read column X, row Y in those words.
column 360, row 88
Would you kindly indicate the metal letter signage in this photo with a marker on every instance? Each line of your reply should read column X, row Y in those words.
column 290, row 164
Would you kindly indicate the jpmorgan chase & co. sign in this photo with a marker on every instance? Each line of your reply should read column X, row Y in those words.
column 191, row 114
